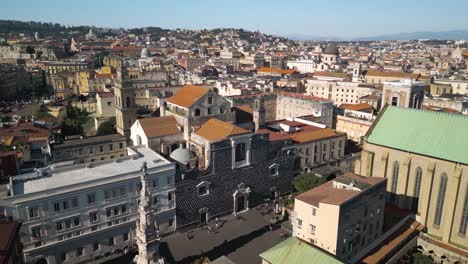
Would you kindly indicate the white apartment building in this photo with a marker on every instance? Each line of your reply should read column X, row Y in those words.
column 87, row 213
column 303, row 66
column 339, row 92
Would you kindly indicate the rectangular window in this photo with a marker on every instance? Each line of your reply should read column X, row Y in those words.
column 63, row 256
column 464, row 217
column 56, row 206
column 111, row 241
column 76, row 221
column 107, row 194
column 80, row 251
column 36, row 232
column 74, row 202
column 33, row 212
column 169, row 196
column 299, row 222
column 101, row 149
column 91, row 150
column 93, row 217
column 96, row 246
column 120, row 145
column 312, row 229
column 111, row 147
column 155, row 183
column 240, row 152
column 59, row 226
column 155, row 199
column 91, row 198
column 65, row 205
column 125, row 237
column 169, row 179
column 314, row 211
column 109, row 212
column 67, row 223
column 171, row 222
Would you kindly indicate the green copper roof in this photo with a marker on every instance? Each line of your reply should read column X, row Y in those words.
column 295, row 251
column 436, row 134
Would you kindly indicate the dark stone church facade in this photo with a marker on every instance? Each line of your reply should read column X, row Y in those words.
column 223, row 189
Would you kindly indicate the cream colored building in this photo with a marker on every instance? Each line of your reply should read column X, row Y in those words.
column 458, row 86
column 404, row 93
column 424, row 156
column 343, row 216
column 339, row 92
column 295, row 105
column 355, row 120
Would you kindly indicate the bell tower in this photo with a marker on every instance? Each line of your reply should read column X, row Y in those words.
column 125, row 108
column 357, row 72
column 259, row 113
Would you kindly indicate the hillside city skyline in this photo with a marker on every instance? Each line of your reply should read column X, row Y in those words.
column 344, row 19
column 242, row 132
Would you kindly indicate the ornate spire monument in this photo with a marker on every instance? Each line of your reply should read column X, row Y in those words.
column 147, row 235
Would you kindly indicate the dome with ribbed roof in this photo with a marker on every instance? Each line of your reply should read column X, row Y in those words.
column 331, row 49
column 145, row 53
column 182, row 155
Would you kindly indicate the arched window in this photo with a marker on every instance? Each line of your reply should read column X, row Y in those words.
column 440, row 199
column 417, row 182
column 464, row 217
column 396, row 169
column 197, row 112
column 128, row 101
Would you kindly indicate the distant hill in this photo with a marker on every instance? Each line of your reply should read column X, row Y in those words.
column 441, row 35
column 43, row 28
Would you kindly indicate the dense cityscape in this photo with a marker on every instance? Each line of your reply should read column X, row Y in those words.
column 227, row 145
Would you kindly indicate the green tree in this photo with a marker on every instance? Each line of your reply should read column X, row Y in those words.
column 30, row 50
column 39, row 54
column 305, row 182
column 73, row 123
column 107, row 127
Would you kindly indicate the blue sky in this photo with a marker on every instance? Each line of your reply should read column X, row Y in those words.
column 341, row 18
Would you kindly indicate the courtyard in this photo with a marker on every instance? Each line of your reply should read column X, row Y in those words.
column 240, row 238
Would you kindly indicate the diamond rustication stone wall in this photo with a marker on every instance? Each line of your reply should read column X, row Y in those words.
column 224, row 180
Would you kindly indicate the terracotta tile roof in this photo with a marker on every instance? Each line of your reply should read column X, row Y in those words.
column 302, row 96
column 275, row 70
column 331, row 74
column 105, row 94
column 395, row 74
column 188, row 95
column 215, row 129
column 325, row 193
column 159, row 126
column 274, row 136
column 356, row 107
column 307, row 136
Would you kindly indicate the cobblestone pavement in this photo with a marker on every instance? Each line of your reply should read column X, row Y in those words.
column 241, row 240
